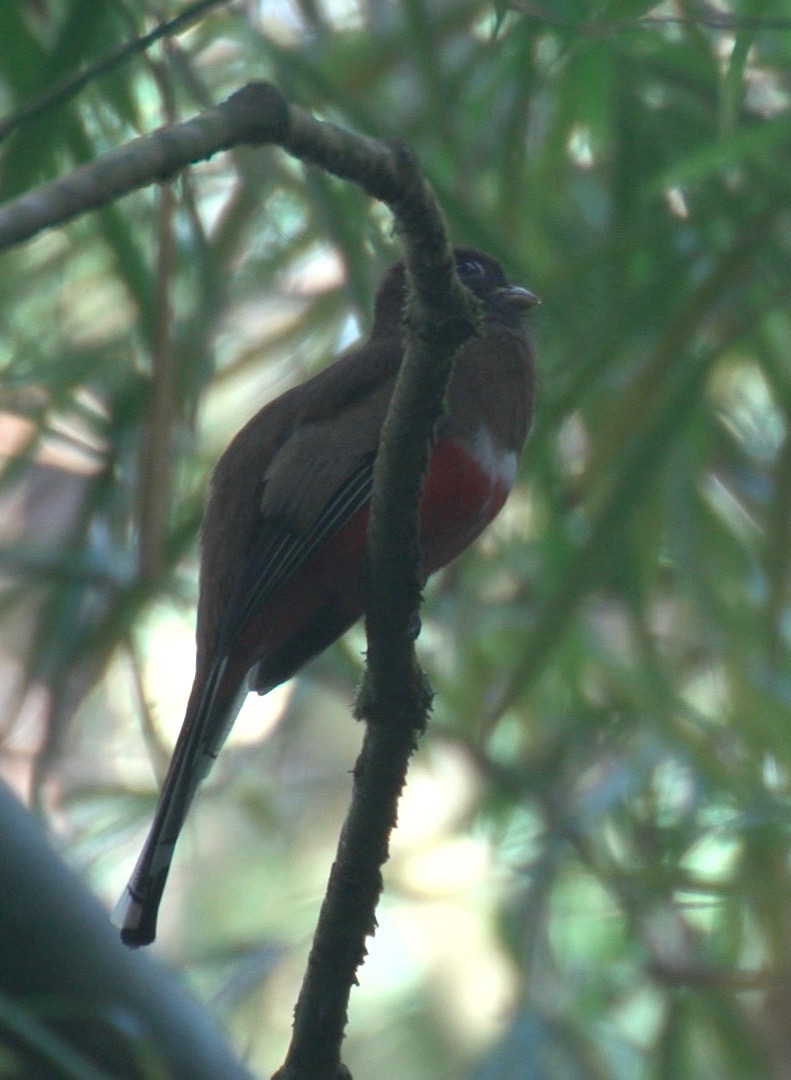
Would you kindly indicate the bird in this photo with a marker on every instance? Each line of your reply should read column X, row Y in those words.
column 283, row 537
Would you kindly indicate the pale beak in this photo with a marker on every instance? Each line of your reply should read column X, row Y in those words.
column 517, row 297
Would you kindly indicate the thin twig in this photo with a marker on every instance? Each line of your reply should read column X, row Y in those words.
column 71, row 85
column 709, row 17
column 156, row 450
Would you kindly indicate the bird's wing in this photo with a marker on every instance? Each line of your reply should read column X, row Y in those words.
column 279, row 547
column 275, row 480
column 320, row 477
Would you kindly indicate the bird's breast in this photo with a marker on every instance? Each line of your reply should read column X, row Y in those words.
column 466, row 486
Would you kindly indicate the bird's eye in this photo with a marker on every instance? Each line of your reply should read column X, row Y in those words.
column 470, row 268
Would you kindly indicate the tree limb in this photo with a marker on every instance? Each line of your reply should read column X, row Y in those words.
column 394, row 699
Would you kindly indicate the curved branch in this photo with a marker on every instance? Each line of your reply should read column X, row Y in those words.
column 441, row 314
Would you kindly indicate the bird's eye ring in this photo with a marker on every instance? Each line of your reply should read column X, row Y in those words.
column 470, row 268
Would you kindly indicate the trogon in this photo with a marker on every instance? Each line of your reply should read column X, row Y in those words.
column 283, row 541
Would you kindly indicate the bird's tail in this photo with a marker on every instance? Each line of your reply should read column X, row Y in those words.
column 206, row 725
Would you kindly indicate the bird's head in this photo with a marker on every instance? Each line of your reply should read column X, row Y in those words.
column 481, row 273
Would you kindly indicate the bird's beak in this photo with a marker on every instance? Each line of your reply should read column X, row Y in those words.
column 517, row 297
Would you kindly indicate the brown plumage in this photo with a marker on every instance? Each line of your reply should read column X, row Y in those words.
column 283, row 538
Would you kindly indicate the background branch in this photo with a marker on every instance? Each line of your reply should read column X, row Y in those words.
column 71, row 85
column 123, row 1010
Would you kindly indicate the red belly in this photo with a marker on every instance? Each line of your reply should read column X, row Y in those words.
column 459, row 500
column 327, row 593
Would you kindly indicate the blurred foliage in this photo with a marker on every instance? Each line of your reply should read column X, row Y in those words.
column 592, row 875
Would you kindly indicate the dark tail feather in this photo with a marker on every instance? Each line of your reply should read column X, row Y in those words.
column 136, row 912
column 205, row 728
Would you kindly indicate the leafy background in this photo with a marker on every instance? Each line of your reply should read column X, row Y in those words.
column 591, row 876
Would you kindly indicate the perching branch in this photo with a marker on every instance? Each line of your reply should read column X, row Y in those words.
column 394, row 700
